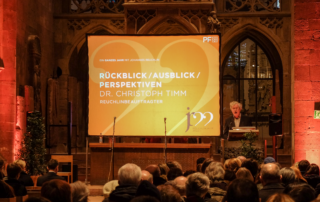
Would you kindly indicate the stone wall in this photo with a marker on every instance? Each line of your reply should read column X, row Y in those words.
column 306, row 79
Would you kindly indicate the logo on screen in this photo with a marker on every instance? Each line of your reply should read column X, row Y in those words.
column 212, row 39
column 202, row 118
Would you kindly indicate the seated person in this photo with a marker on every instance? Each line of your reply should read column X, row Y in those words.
column 13, row 172
column 5, row 190
column 1, row 167
column 53, row 167
column 24, row 178
column 56, row 191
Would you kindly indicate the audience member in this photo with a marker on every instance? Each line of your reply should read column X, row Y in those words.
column 199, row 167
column 200, row 160
column 145, row 175
column 56, row 191
column 109, row 187
column 24, row 178
column 197, row 186
column 188, row 172
column 6, row 191
column 164, row 169
column 180, row 184
column 36, row 199
column 241, row 158
column 144, row 199
column 299, row 177
column 252, row 165
column 80, row 192
column 1, row 168
column 205, row 164
column 13, row 172
column 148, row 189
column 218, row 187
column 174, row 173
column 129, row 177
column 242, row 190
column 312, row 175
column 269, row 160
column 229, row 176
column 244, row 173
column 169, row 194
column 280, row 198
column 53, row 167
column 270, row 179
column 288, row 176
column 232, row 164
column 300, row 192
column 174, row 164
column 154, row 170
column 303, row 166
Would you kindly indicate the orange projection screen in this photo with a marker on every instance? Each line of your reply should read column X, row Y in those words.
column 141, row 80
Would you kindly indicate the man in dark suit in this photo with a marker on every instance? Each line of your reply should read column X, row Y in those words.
column 53, row 167
column 271, row 180
column 13, row 171
column 236, row 120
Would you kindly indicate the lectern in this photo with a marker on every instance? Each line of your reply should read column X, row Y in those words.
column 237, row 133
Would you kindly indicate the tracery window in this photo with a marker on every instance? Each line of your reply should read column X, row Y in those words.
column 248, row 79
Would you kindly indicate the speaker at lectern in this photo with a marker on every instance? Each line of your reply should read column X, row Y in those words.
column 237, row 133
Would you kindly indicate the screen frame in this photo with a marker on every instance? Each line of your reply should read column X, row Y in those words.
column 141, row 35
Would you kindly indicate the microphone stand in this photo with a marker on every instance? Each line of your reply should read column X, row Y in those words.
column 165, row 140
column 112, row 147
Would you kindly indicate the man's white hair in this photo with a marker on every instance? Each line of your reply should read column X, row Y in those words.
column 235, row 103
column 197, row 184
column 129, row 174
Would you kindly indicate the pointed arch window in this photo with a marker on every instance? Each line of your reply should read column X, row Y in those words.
column 248, row 78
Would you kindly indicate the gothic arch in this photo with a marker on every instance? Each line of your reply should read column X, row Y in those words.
column 175, row 22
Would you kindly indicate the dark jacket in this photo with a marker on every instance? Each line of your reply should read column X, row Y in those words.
column 158, row 181
column 244, row 121
column 269, row 190
column 313, row 180
column 47, row 177
column 18, row 187
column 25, row 179
column 122, row 193
column 195, row 198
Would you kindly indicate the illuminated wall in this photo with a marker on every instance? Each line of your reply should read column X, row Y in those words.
column 306, row 79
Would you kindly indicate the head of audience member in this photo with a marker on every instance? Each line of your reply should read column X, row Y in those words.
column 145, row 175
column 300, row 192
column 21, row 163
column 252, row 165
column 80, row 192
column 288, row 176
column 169, row 193
column 129, row 174
column 232, row 164
column 280, row 198
column 270, row 173
column 188, row 172
column 13, row 171
column 109, row 187
column 244, row 173
column 299, row 177
column 164, row 169
column 146, row 188
column 215, row 172
column 197, row 184
column 6, row 191
column 180, row 184
column 56, row 191
column 303, row 166
column 154, row 170
column 53, row 165
column 174, row 164
column 199, row 167
column 241, row 158
column 269, row 160
column 242, row 190
column 229, row 175
column 205, row 164
column 36, row 199
column 144, row 199
column 313, row 169
column 200, row 160
column 174, row 173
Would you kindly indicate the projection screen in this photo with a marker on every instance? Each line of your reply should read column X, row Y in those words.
column 143, row 80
